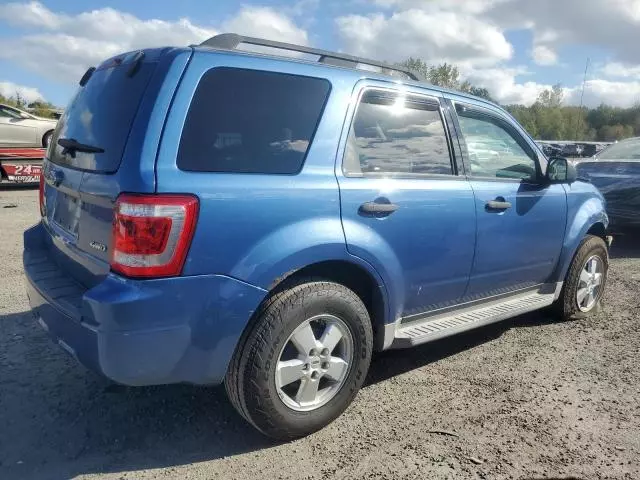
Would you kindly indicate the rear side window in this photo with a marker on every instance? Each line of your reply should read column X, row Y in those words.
column 394, row 134
column 250, row 121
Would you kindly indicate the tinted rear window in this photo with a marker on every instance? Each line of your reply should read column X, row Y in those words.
column 249, row 121
column 101, row 114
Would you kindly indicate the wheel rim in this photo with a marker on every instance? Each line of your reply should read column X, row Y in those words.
column 590, row 283
column 314, row 362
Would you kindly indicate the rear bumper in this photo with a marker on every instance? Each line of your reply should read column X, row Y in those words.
column 141, row 332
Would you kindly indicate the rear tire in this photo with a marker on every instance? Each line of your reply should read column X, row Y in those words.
column 257, row 383
column 46, row 139
column 583, row 290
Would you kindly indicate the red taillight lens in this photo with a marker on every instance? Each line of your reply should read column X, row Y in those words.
column 41, row 194
column 152, row 234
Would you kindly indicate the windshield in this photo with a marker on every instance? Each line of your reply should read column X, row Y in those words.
column 624, row 150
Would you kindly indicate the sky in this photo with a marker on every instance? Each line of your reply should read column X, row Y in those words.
column 514, row 48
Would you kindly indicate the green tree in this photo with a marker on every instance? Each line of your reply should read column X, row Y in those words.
column 481, row 92
column 548, row 118
column 551, row 98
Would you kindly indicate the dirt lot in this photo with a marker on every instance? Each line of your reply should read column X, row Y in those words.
column 527, row 398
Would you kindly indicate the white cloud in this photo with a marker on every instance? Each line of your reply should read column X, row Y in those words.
column 597, row 91
column 502, row 85
column 66, row 45
column 621, row 70
column 468, row 6
column 265, row 22
column 30, row 94
column 543, row 55
column 32, row 14
column 459, row 32
column 609, row 24
column 437, row 36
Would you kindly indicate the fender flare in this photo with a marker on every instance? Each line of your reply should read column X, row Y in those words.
column 590, row 213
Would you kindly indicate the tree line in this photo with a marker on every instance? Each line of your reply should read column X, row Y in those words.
column 39, row 108
column 548, row 118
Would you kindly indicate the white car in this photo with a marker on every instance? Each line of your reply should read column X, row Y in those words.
column 22, row 129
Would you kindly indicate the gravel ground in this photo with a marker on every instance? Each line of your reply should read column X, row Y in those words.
column 527, row 398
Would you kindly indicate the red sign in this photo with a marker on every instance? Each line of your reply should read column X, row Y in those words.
column 21, row 165
column 22, row 172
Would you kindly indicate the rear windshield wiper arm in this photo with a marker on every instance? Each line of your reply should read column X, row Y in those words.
column 71, row 146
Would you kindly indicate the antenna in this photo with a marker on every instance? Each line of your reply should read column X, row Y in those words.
column 584, row 81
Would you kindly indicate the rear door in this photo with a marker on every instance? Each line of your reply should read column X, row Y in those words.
column 520, row 218
column 93, row 157
column 405, row 209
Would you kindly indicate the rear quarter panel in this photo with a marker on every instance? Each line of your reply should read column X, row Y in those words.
column 256, row 227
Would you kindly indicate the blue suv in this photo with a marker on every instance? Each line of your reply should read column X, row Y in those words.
column 214, row 215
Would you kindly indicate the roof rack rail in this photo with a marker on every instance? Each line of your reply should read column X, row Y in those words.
column 231, row 41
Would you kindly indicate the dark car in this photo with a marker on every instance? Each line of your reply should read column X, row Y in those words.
column 616, row 172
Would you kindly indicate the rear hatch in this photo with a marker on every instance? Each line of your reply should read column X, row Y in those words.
column 96, row 152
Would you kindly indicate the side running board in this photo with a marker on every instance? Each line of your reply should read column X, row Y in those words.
column 440, row 326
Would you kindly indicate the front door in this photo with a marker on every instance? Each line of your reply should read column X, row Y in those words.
column 404, row 208
column 521, row 219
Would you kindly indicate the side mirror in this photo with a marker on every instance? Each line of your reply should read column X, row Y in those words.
column 561, row 170
column 25, row 116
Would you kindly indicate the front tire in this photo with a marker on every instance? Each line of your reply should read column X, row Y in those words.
column 584, row 285
column 302, row 362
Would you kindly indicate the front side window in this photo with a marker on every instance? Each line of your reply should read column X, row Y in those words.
column 395, row 134
column 495, row 150
column 250, row 121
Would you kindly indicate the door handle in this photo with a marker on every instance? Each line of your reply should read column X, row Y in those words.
column 376, row 208
column 497, row 205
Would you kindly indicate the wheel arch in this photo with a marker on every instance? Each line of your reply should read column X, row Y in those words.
column 589, row 219
column 44, row 135
column 356, row 275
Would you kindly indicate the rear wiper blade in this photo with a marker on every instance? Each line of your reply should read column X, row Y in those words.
column 71, row 146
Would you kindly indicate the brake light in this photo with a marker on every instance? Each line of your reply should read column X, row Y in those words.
column 152, row 234
column 41, row 194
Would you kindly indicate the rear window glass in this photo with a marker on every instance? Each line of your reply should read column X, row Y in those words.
column 100, row 115
column 249, row 121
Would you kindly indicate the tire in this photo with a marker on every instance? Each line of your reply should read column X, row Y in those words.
column 46, row 138
column 251, row 381
column 567, row 305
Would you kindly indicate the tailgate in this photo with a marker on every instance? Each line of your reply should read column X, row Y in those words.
column 94, row 156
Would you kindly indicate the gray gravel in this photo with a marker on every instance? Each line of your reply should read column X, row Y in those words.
column 527, row 398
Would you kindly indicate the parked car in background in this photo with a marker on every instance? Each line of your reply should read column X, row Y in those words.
column 22, row 129
column 616, row 173
column 269, row 222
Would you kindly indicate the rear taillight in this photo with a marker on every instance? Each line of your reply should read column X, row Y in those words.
column 41, row 194
column 152, row 234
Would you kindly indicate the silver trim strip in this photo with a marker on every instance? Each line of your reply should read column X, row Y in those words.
column 465, row 317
